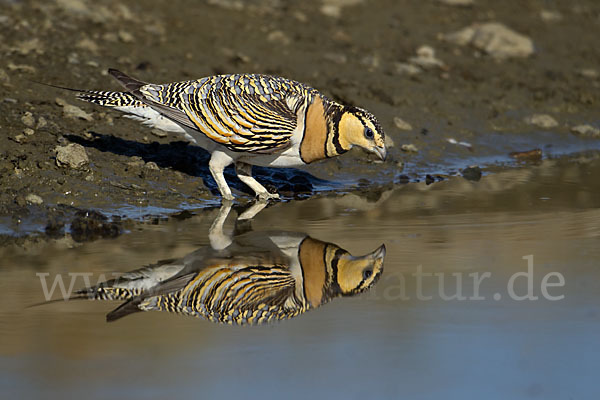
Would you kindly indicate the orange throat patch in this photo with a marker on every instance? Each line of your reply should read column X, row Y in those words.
column 312, row 260
column 314, row 140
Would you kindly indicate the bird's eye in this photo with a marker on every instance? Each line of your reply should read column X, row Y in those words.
column 369, row 133
column 367, row 273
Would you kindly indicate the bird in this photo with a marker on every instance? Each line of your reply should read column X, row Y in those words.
column 254, row 278
column 246, row 120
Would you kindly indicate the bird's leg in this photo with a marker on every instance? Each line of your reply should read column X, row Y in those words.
column 251, row 212
column 218, row 239
column 218, row 161
column 244, row 172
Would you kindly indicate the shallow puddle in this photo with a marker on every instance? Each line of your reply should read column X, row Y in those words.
column 489, row 289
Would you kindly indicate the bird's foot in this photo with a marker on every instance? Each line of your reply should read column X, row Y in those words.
column 265, row 196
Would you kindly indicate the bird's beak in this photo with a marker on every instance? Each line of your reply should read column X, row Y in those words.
column 381, row 152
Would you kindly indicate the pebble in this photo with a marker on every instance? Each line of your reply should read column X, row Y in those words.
column 409, row 148
column 152, row 165
column 586, row 130
column 589, row 73
column 28, row 131
column 337, row 58
column 29, row 46
column 41, row 123
column 126, row 37
column 228, row 4
column 541, row 120
column 279, row 37
column 550, row 16
column 402, row 124
column 472, row 173
column 88, row 44
column 28, row 120
column 74, row 112
column 493, row 38
column 73, row 6
column 426, row 59
column 459, row 3
column 20, row 138
column 371, row 61
column 389, row 142
column 407, row 69
column 72, row 155
column 21, row 68
column 333, row 8
column 4, row 78
column 34, row 199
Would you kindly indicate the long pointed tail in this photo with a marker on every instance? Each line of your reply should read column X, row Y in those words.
column 103, row 98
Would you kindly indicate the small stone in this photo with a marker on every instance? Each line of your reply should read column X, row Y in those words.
column 41, row 123
column 110, row 37
column 586, row 130
column 20, row 138
column 550, row 16
column 589, row 73
column 389, row 142
column 72, row 155
column 28, row 46
column 152, row 165
column 34, row 199
column 541, row 120
column 459, row 3
column 337, row 58
column 87, row 44
column 372, row 62
column 279, row 37
column 300, row 16
column 73, row 6
column 493, row 38
column 228, row 4
column 403, row 179
column 158, row 133
column 407, row 69
column 472, row 173
column 9, row 100
column 429, row 179
column 28, row 120
column 425, row 58
column 21, row 68
column 333, row 8
column 4, row 78
column 73, row 112
column 73, row 58
column 126, row 37
column 409, row 148
column 28, row 131
column 402, row 124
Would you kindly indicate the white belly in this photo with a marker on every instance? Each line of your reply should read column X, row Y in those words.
column 288, row 158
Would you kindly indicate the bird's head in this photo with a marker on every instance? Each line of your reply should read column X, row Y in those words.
column 357, row 274
column 358, row 127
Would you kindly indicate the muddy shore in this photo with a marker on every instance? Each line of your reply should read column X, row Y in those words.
column 461, row 105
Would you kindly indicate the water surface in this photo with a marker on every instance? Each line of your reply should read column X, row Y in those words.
column 402, row 338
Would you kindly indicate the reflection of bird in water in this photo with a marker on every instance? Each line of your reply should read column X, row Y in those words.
column 255, row 278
